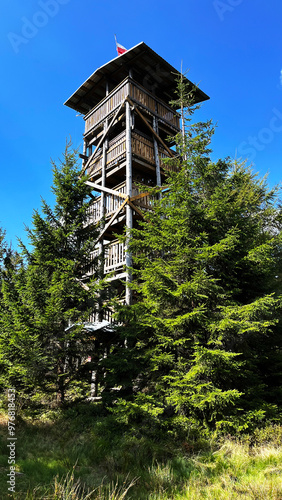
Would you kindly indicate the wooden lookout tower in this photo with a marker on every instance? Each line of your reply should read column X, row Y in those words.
column 128, row 116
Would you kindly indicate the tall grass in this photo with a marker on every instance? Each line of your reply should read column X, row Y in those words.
column 81, row 458
column 233, row 471
column 69, row 489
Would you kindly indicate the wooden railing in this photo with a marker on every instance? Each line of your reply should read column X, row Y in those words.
column 115, row 152
column 106, row 106
column 116, row 148
column 141, row 147
column 140, row 95
column 94, row 211
column 107, row 313
column 114, row 256
column 146, row 202
column 112, row 203
column 137, row 93
column 91, row 262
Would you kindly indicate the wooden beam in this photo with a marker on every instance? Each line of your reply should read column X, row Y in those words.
column 103, row 189
column 86, row 287
column 102, row 138
column 138, row 196
column 135, row 208
column 113, row 218
column 92, row 197
column 84, row 157
column 109, row 172
column 156, row 151
column 151, row 128
column 90, row 143
column 116, row 277
column 142, row 195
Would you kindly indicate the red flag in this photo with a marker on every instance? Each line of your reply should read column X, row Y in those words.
column 120, row 48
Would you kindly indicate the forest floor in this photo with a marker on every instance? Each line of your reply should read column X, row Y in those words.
column 82, row 456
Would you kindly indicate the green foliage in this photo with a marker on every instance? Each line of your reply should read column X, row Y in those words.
column 204, row 336
column 3, row 245
column 199, row 351
column 49, row 294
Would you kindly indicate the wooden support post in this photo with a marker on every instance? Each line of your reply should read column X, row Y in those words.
column 85, row 148
column 103, row 182
column 156, row 152
column 129, row 215
column 103, row 213
column 182, row 114
column 94, row 378
column 104, row 164
column 84, row 156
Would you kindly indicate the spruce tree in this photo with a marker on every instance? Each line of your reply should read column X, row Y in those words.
column 49, row 296
column 21, row 352
column 2, row 244
column 203, row 341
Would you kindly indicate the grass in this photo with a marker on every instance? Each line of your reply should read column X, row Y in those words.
column 85, row 456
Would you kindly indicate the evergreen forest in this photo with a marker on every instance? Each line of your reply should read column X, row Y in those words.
column 181, row 394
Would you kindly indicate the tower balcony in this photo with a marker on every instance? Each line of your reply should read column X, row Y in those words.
column 139, row 95
column 112, row 203
column 114, row 258
column 142, row 148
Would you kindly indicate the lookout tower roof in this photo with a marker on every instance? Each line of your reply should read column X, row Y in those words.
column 144, row 65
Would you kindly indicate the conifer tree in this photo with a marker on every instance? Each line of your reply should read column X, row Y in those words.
column 21, row 353
column 2, row 244
column 204, row 338
column 48, row 297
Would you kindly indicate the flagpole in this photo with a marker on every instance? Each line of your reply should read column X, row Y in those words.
column 116, row 43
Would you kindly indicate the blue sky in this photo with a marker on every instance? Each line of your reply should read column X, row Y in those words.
column 49, row 48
